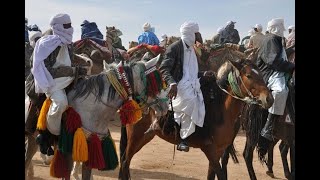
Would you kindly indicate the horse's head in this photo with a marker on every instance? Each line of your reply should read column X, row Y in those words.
column 152, row 86
column 145, row 83
column 172, row 39
column 133, row 44
column 243, row 80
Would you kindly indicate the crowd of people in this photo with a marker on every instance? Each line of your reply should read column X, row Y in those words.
column 179, row 66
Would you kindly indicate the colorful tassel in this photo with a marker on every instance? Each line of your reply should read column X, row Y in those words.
column 42, row 119
column 65, row 140
column 80, row 146
column 130, row 112
column 95, row 159
column 58, row 165
column 109, row 154
column 73, row 120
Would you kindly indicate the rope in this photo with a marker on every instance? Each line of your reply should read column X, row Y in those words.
column 88, row 133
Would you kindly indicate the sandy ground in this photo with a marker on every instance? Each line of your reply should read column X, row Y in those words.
column 155, row 161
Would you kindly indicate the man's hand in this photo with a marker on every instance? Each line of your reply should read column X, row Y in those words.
column 173, row 91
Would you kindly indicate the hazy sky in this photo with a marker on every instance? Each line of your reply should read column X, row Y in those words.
column 165, row 15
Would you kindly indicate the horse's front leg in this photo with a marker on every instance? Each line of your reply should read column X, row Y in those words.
column 270, row 159
column 284, row 148
column 293, row 161
column 86, row 172
column 214, row 156
column 224, row 161
column 248, row 157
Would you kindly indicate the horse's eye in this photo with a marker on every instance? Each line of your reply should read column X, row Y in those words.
column 249, row 76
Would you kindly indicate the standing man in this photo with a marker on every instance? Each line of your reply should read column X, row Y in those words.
column 180, row 70
column 273, row 63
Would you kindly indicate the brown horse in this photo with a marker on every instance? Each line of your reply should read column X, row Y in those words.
column 222, row 112
column 252, row 120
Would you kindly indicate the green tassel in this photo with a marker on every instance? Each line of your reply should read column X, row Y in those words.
column 109, row 154
column 65, row 140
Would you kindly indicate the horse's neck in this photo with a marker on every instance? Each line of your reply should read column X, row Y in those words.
column 232, row 108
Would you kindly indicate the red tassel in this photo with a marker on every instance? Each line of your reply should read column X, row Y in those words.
column 95, row 159
column 58, row 166
column 73, row 120
column 152, row 86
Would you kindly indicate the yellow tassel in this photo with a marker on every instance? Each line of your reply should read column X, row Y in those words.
column 41, row 124
column 80, row 146
column 138, row 112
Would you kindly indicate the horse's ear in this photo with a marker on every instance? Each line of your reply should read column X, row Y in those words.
column 105, row 65
column 237, row 64
column 154, row 62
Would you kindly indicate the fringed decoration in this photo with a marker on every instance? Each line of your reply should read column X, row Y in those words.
column 73, row 120
column 80, row 146
column 130, row 112
column 42, row 119
column 65, row 140
column 96, row 159
column 58, row 165
column 109, row 154
column 154, row 83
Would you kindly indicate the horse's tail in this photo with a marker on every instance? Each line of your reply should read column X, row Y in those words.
column 233, row 154
column 123, row 142
column 262, row 148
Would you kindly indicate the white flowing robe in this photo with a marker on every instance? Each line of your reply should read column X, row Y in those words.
column 188, row 106
column 277, row 84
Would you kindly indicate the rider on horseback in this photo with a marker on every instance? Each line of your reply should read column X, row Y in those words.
column 52, row 71
column 180, row 70
column 273, row 63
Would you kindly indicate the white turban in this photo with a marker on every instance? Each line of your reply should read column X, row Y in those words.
column 164, row 36
column 188, row 30
column 32, row 36
column 292, row 27
column 56, row 24
column 146, row 27
column 276, row 26
column 259, row 27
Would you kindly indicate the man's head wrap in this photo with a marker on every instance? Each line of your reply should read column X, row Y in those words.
column 32, row 36
column 276, row 26
column 292, row 27
column 146, row 26
column 56, row 24
column 188, row 30
column 259, row 27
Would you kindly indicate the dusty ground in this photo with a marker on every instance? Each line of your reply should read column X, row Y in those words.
column 155, row 161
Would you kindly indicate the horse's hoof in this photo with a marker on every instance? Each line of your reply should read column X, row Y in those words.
column 269, row 173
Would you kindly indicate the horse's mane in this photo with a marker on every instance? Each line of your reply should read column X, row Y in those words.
column 94, row 84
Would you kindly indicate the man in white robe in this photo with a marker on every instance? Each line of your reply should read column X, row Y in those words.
column 180, row 70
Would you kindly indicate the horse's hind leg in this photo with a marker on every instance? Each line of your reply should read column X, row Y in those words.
column 86, row 172
column 293, row 161
column 284, row 148
column 270, row 159
column 248, row 157
column 31, row 149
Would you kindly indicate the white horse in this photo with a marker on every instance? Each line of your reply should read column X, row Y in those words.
column 97, row 102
